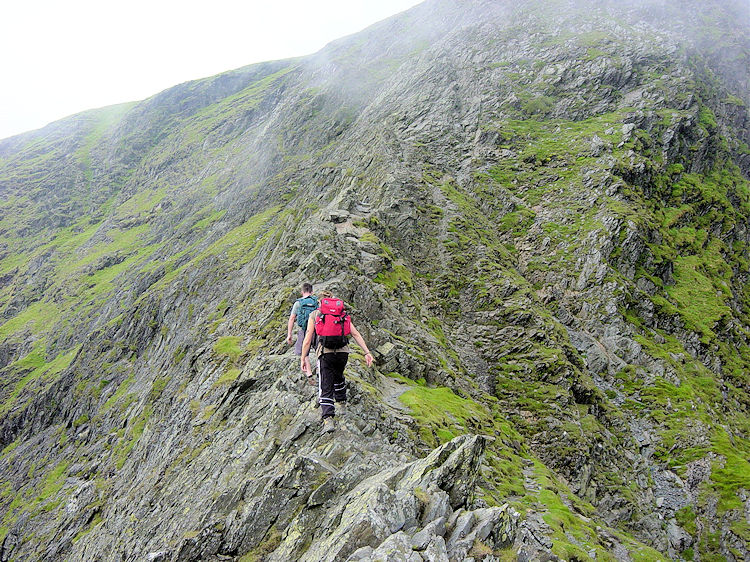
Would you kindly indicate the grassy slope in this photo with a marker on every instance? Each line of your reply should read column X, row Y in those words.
column 692, row 216
column 479, row 245
column 64, row 266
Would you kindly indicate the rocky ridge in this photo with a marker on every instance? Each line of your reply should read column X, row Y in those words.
column 538, row 214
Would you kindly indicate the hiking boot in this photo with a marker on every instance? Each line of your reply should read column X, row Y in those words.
column 341, row 409
column 328, row 425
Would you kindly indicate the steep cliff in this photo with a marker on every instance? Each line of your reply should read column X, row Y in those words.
column 538, row 213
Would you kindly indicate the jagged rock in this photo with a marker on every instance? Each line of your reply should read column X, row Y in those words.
column 364, row 553
column 386, row 351
column 386, row 503
column 497, row 524
column 437, row 507
column 597, row 145
column 339, row 216
column 79, row 499
column 460, row 528
column 467, row 176
column 436, row 551
column 397, row 548
column 421, row 539
column 679, row 539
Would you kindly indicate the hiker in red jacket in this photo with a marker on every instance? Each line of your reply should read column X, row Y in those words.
column 332, row 325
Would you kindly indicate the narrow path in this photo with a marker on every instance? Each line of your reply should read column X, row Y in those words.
column 391, row 390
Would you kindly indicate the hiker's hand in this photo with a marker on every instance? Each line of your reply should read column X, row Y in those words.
column 302, row 365
column 369, row 359
column 289, row 340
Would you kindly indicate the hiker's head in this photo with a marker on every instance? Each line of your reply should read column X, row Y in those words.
column 307, row 289
column 326, row 295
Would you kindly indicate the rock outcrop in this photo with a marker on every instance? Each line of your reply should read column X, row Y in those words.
column 538, row 216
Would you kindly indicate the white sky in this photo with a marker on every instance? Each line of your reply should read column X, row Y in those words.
column 59, row 57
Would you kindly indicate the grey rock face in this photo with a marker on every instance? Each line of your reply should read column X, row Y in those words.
column 396, row 547
column 423, row 538
column 517, row 200
column 679, row 540
column 438, row 506
column 436, row 551
column 377, row 512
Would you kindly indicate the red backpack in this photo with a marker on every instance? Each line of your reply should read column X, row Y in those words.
column 333, row 324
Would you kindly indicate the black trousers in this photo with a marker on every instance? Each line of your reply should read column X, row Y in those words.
column 331, row 383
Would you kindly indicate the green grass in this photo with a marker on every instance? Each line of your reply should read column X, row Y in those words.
column 10, row 448
column 732, row 473
column 574, row 534
column 269, row 543
column 67, row 240
column 241, row 244
column 97, row 520
column 129, row 441
column 35, row 359
column 538, row 106
column 104, row 120
column 121, row 241
column 157, row 387
column 13, row 261
column 227, row 378
column 37, row 318
column 246, row 99
column 118, row 394
column 229, row 346
column 394, row 277
column 209, row 220
column 142, row 201
column 688, row 224
column 236, row 248
column 686, row 519
column 700, row 302
column 34, row 499
column 443, row 412
column 40, row 370
column 53, row 481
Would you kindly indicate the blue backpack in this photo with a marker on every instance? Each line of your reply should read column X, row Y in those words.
column 306, row 306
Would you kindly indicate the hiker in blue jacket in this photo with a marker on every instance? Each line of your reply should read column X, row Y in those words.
column 299, row 315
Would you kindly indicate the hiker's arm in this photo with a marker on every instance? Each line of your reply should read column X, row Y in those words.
column 290, row 327
column 309, row 331
column 361, row 342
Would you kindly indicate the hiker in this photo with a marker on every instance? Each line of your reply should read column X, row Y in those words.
column 332, row 326
column 299, row 315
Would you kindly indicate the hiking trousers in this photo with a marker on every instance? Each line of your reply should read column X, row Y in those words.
column 331, row 383
column 300, row 341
